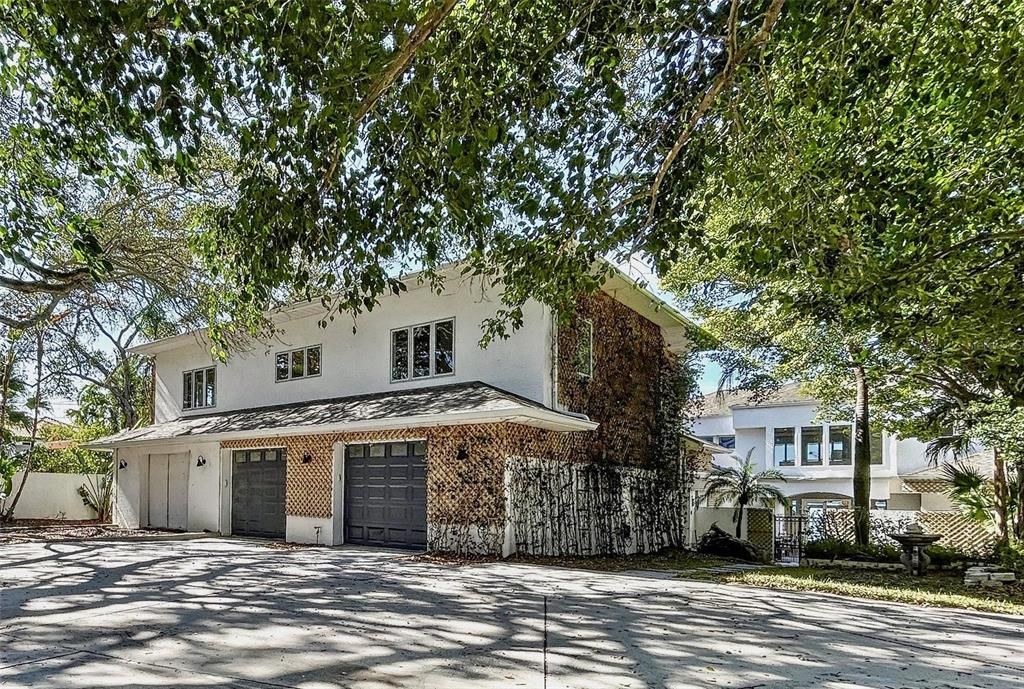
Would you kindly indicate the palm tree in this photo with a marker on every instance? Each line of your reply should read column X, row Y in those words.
column 977, row 496
column 742, row 486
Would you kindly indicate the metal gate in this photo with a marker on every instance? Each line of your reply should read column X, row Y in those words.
column 789, row 539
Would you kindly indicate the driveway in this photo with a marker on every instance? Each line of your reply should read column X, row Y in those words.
column 234, row 613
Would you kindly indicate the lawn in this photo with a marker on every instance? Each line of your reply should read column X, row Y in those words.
column 937, row 589
column 673, row 560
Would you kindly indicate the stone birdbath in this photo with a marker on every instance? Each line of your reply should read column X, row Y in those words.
column 914, row 540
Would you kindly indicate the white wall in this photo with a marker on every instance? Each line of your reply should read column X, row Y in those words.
column 52, row 496
column 356, row 363
column 205, row 487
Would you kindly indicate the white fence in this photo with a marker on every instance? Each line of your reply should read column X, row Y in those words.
column 52, row 496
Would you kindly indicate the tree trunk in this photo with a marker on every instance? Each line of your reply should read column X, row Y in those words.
column 1001, row 496
column 739, row 521
column 861, row 460
column 9, row 513
column 1018, row 531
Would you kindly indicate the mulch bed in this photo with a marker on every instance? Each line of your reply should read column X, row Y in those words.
column 28, row 530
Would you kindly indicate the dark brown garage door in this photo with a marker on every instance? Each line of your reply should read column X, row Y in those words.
column 257, row 493
column 386, row 494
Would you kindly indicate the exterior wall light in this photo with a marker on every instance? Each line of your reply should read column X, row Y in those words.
column 307, row 457
column 122, row 464
column 201, row 461
column 463, row 454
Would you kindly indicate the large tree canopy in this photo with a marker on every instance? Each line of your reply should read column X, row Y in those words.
column 529, row 136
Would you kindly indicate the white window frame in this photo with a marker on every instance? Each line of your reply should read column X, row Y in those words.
column 586, row 330
column 305, row 363
column 409, row 357
column 191, row 373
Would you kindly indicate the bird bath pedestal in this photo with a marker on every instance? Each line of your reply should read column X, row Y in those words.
column 914, row 541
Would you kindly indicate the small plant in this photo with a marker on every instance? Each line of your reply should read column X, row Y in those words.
column 97, row 492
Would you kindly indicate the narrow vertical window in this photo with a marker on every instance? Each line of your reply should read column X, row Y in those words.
column 298, row 364
column 186, row 395
column 199, row 397
column 839, row 445
column 877, row 446
column 785, row 447
column 211, row 387
column 281, row 366
column 810, row 446
column 313, row 361
column 421, row 351
column 585, row 349
column 399, row 354
column 444, row 347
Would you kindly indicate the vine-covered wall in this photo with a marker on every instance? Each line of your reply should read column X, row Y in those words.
column 630, row 390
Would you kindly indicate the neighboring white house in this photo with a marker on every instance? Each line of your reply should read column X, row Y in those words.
column 397, row 428
column 816, row 455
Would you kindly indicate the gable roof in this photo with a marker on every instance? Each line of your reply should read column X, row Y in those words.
column 722, row 404
column 453, row 404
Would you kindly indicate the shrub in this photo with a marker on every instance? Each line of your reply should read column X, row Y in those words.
column 840, row 549
column 1012, row 557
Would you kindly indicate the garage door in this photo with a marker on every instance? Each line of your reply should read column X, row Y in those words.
column 386, row 494
column 168, row 491
column 257, row 492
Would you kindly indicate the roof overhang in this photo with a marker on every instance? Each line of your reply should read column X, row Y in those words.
column 538, row 418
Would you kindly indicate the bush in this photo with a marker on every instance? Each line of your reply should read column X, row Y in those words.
column 1012, row 557
column 839, row 549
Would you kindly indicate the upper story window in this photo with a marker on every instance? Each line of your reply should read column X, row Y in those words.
column 727, row 441
column 423, row 351
column 297, row 363
column 876, row 446
column 199, row 388
column 840, row 445
column 810, row 446
column 785, row 447
column 585, row 349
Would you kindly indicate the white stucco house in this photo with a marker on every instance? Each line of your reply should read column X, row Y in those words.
column 815, row 455
column 398, row 429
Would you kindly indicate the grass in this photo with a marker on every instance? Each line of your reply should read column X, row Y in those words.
column 673, row 560
column 668, row 560
column 937, row 589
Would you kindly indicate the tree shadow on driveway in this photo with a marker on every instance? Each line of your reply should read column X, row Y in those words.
column 225, row 612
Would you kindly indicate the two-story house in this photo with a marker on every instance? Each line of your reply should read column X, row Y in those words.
column 399, row 429
column 815, row 455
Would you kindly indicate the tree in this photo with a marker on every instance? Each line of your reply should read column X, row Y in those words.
column 36, row 404
column 742, row 487
column 396, row 134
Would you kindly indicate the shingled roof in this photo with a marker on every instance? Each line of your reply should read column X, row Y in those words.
column 720, row 404
column 472, row 402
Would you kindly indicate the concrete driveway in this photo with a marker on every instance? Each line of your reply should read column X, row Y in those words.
column 232, row 613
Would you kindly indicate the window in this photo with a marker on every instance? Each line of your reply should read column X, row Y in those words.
column 422, row 351
column 810, row 445
column 297, row 363
column 876, row 446
column 785, row 447
column 585, row 349
column 199, row 388
column 879, row 504
column 727, row 441
column 839, row 453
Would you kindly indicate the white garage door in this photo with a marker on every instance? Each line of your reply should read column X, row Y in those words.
column 168, row 491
